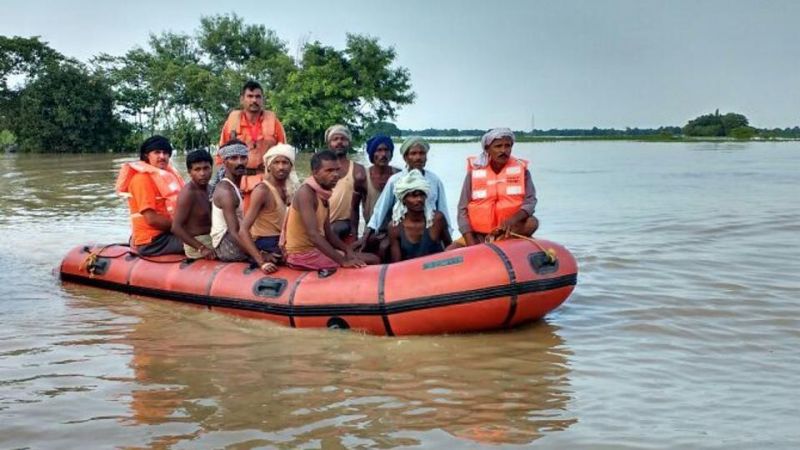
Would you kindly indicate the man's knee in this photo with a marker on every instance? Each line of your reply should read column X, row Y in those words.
column 527, row 227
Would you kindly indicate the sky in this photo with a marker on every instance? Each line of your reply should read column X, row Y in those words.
column 479, row 64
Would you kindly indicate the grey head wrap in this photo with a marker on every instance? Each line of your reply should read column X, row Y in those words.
column 229, row 151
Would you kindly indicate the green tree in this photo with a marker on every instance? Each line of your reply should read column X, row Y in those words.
column 320, row 94
column 22, row 58
column 716, row 125
column 385, row 128
column 356, row 87
column 67, row 109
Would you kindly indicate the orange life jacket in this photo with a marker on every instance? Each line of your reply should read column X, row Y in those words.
column 495, row 196
column 168, row 182
column 256, row 148
column 239, row 129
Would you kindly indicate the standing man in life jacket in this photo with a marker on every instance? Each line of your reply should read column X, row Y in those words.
column 351, row 187
column 498, row 197
column 258, row 128
column 152, row 186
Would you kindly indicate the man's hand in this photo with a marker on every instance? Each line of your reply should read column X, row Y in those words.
column 354, row 263
column 503, row 231
column 359, row 244
column 208, row 253
column 269, row 267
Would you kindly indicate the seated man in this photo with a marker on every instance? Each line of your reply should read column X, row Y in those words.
column 498, row 198
column 192, row 221
column 264, row 220
column 415, row 154
column 152, row 186
column 351, row 187
column 226, row 211
column 380, row 150
column 309, row 241
column 416, row 229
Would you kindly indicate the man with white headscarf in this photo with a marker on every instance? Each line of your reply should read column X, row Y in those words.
column 351, row 188
column 498, row 197
column 416, row 229
column 415, row 154
column 263, row 221
column 226, row 211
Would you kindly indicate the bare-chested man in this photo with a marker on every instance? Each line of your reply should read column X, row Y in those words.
column 351, row 187
column 192, row 222
column 226, row 212
column 311, row 244
column 271, row 198
column 380, row 150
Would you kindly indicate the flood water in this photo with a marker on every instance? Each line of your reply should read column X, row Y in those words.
column 683, row 330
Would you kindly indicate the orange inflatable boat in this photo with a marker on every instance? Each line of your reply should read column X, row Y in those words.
column 483, row 287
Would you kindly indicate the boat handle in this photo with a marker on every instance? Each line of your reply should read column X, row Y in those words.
column 269, row 287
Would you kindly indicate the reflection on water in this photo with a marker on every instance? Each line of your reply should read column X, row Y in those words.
column 199, row 377
column 682, row 331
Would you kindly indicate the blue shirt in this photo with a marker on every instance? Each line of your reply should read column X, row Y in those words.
column 383, row 206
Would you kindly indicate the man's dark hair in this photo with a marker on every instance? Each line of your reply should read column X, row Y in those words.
column 251, row 85
column 155, row 142
column 198, row 156
column 322, row 155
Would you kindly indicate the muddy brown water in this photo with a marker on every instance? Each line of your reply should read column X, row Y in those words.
column 683, row 331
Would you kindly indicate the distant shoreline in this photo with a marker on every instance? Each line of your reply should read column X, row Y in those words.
column 655, row 138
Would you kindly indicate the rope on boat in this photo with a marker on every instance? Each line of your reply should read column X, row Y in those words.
column 552, row 256
column 90, row 261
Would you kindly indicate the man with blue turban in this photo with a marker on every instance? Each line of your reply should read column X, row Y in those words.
column 380, row 150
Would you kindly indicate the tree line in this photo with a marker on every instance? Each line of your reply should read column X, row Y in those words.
column 730, row 125
column 184, row 85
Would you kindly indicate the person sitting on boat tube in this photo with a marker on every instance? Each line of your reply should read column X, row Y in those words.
column 416, row 229
column 264, row 220
column 415, row 153
column 351, row 187
column 308, row 240
column 380, row 150
column 192, row 222
column 226, row 211
column 498, row 197
column 152, row 186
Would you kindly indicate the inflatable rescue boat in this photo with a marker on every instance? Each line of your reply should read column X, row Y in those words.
column 484, row 287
